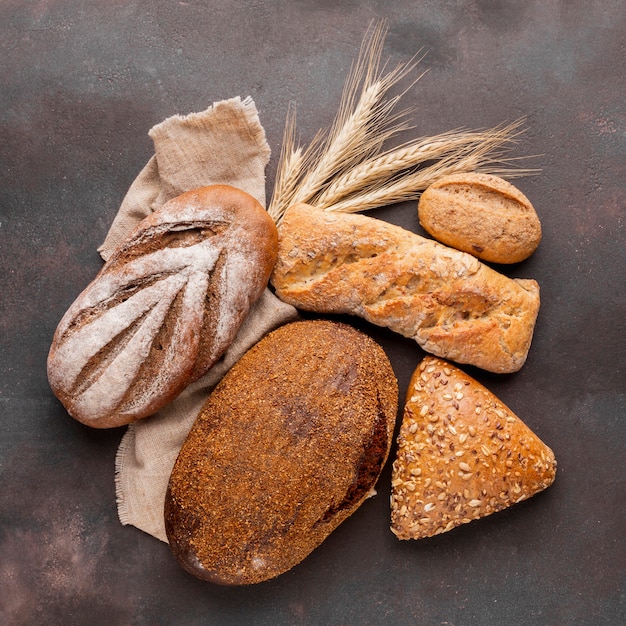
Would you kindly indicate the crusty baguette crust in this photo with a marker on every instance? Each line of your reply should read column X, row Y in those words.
column 481, row 214
column 289, row 444
column 450, row 303
column 164, row 307
column 462, row 454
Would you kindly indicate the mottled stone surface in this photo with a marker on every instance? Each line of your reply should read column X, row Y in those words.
column 81, row 83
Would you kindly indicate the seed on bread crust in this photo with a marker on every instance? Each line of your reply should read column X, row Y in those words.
column 478, row 458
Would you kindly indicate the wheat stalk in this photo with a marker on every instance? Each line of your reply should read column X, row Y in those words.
column 289, row 170
column 456, row 151
column 386, row 165
column 360, row 127
column 482, row 158
column 346, row 170
column 352, row 138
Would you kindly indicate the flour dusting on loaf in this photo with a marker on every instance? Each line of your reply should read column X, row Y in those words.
column 164, row 307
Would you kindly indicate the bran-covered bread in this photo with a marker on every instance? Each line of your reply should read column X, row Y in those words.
column 289, row 444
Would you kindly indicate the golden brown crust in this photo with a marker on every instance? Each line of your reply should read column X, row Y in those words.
column 462, row 454
column 288, row 446
column 164, row 307
column 481, row 214
column 450, row 303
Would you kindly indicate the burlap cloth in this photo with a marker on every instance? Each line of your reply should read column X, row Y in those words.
column 224, row 144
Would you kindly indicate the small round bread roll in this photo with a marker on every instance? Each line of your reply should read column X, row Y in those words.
column 482, row 215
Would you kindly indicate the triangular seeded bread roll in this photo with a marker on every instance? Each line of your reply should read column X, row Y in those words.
column 462, row 454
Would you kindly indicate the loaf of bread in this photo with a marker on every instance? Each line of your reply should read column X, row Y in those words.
column 461, row 455
column 481, row 214
column 453, row 306
column 288, row 445
column 164, row 307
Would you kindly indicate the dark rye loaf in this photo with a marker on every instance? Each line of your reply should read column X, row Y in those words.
column 164, row 307
column 290, row 443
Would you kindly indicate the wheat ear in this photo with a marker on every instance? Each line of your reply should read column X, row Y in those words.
column 289, row 170
column 486, row 157
column 361, row 126
column 393, row 167
column 386, row 165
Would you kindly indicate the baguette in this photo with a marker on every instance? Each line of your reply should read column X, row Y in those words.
column 287, row 447
column 163, row 308
column 461, row 455
column 451, row 304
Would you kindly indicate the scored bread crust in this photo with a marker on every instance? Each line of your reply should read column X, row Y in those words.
column 451, row 304
column 481, row 214
column 164, row 307
column 288, row 445
column 461, row 454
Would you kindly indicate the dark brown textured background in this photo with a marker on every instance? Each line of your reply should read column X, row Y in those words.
column 82, row 82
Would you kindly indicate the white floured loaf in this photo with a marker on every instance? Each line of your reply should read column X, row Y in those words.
column 164, row 307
